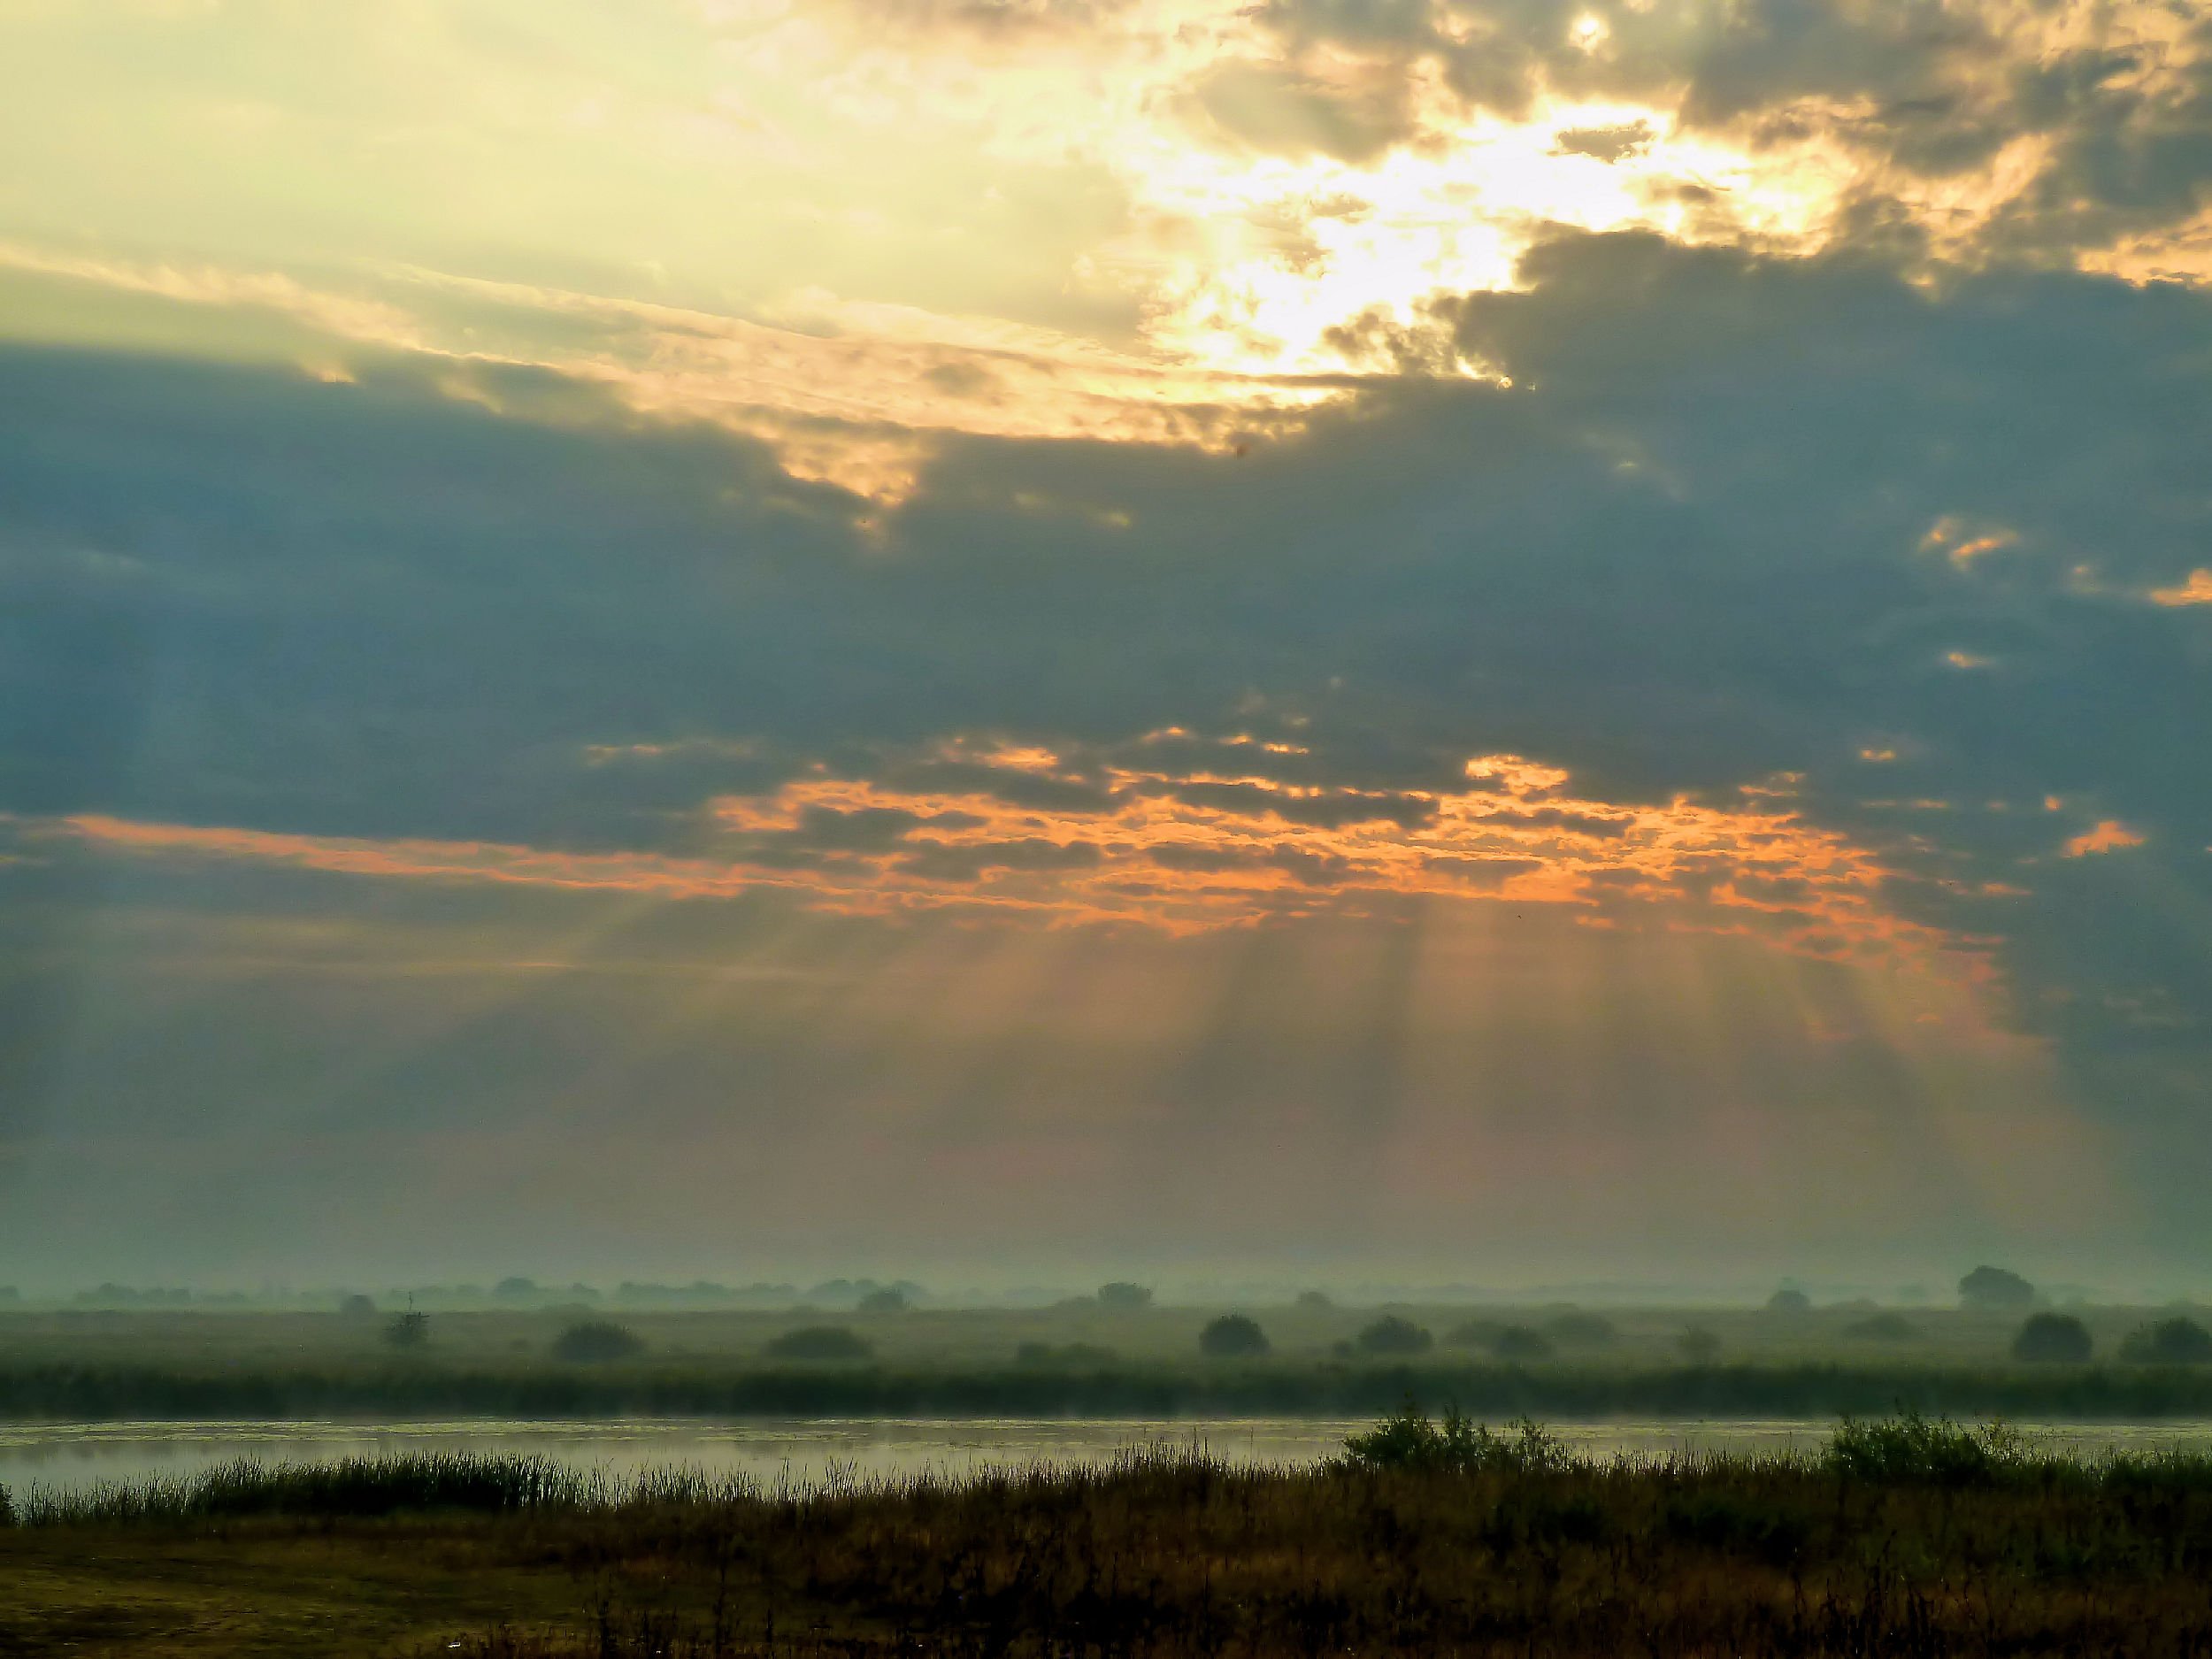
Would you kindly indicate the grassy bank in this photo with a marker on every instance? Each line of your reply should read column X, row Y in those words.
column 1908, row 1537
column 376, row 1388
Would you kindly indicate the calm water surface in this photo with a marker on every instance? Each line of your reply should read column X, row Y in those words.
column 71, row 1455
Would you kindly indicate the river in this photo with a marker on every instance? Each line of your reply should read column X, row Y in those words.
column 63, row 1456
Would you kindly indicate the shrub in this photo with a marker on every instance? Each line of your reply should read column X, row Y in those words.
column 1698, row 1346
column 1911, row 1449
column 1518, row 1343
column 1582, row 1330
column 1123, row 1297
column 1884, row 1328
column 1408, row 1441
column 1233, row 1336
column 596, row 1342
column 821, row 1342
column 2168, row 1342
column 1995, row 1290
column 409, row 1330
column 1392, row 1335
column 1787, row 1300
column 888, row 1299
column 2053, row 1339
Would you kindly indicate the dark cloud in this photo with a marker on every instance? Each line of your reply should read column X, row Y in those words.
column 1925, row 90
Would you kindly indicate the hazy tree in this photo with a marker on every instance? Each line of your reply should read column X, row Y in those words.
column 2168, row 1342
column 890, row 1299
column 1995, row 1290
column 2053, row 1338
column 1233, row 1336
column 358, row 1305
column 1789, row 1299
column 1314, row 1301
column 1121, row 1296
column 408, row 1330
column 1392, row 1335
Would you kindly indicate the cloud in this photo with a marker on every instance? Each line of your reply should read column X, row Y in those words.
column 848, row 394
column 265, row 641
column 2109, row 835
column 2195, row 590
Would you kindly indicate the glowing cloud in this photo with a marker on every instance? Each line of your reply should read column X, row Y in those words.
column 2197, row 590
column 1186, row 847
column 2109, row 835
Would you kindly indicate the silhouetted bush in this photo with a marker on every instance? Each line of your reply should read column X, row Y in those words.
column 1517, row 1343
column 1789, row 1301
column 821, row 1342
column 1581, row 1329
column 597, row 1342
column 1995, row 1290
column 891, row 1299
column 1882, row 1327
column 1698, row 1346
column 1123, row 1297
column 2053, row 1338
column 2168, row 1342
column 1392, row 1335
column 1233, row 1336
column 409, row 1330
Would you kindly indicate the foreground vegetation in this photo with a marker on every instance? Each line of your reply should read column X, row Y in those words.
column 1906, row 1536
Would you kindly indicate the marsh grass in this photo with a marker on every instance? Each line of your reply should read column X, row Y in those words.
column 1906, row 1535
column 353, row 1487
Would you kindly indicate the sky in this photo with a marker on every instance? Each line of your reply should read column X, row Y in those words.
column 1478, row 640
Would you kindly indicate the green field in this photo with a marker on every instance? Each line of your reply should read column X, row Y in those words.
column 1905, row 1538
column 1076, row 1361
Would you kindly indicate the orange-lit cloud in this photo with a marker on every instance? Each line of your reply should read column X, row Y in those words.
column 2109, row 835
column 1183, row 848
column 1963, row 541
column 2197, row 590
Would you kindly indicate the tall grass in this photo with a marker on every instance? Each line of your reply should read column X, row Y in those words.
column 1906, row 1535
column 1902, row 1451
column 468, row 1482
